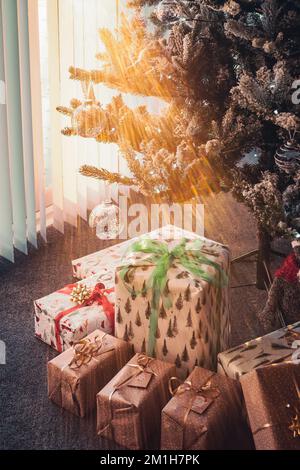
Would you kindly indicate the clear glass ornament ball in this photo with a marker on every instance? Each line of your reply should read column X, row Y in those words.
column 105, row 219
column 167, row 10
column 88, row 119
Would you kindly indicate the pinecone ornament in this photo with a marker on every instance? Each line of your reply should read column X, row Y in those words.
column 80, row 294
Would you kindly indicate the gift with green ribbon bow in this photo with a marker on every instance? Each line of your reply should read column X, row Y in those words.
column 199, row 259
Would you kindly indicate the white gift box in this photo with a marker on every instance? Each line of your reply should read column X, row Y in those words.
column 105, row 261
column 60, row 322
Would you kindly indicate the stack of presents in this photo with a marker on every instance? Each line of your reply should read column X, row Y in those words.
column 143, row 343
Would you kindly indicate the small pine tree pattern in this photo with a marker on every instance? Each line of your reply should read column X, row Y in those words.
column 193, row 341
column 175, row 328
column 185, row 355
column 197, row 283
column 126, row 336
column 148, row 311
column 157, row 334
column 170, row 330
column 179, row 302
column 129, row 276
column 178, row 361
column 196, row 363
column 165, row 349
column 130, row 330
column 128, row 306
column 119, row 316
column 162, row 312
column 182, row 275
column 167, row 289
column 144, row 290
column 143, row 348
column 189, row 322
column 187, row 294
column 133, row 294
column 198, row 306
column 138, row 321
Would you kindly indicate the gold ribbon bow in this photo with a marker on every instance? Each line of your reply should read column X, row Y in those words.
column 85, row 350
column 291, row 335
column 143, row 365
column 205, row 390
column 295, row 424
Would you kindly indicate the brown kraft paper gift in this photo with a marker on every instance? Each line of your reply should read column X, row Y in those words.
column 205, row 413
column 77, row 374
column 129, row 406
column 272, row 399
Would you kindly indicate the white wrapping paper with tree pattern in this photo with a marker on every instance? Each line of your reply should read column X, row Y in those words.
column 59, row 322
column 105, row 261
column 194, row 329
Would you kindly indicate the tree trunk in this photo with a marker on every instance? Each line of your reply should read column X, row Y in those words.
column 263, row 259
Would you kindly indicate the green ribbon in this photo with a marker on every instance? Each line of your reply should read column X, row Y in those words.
column 189, row 254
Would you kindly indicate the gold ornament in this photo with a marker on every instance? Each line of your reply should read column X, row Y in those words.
column 80, row 294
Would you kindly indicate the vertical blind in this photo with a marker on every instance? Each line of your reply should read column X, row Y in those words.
column 73, row 40
column 21, row 162
column 39, row 40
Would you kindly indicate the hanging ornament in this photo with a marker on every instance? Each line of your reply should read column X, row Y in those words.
column 287, row 157
column 80, row 294
column 105, row 219
column 88, row 120
column 168, row 10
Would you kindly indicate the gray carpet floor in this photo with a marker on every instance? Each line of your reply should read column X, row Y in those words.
column 28, row 420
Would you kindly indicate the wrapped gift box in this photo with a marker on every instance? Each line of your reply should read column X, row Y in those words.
column 272, row 396
column 76, row 375
column 105, row 261
column 129, row 406
column 205, row 413
column 272, row 348
column 60, row 322
column 195, row 325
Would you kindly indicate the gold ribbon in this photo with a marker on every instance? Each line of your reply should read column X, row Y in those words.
column 143, row 365
column 294, row 425
column 205, row 390
column 85, row 350
column 291, row 335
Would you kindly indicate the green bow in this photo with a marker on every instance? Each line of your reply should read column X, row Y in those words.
column 190, row 254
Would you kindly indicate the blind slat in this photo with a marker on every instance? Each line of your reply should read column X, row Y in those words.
column 27, row 120
column 15, row 146
column 6, row 232
column 37, row 118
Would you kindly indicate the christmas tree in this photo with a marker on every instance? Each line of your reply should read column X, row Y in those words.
column 226, row 70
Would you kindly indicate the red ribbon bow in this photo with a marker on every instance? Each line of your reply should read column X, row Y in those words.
column 97, row 296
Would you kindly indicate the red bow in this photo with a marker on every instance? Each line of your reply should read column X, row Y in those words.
column 97, row 296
